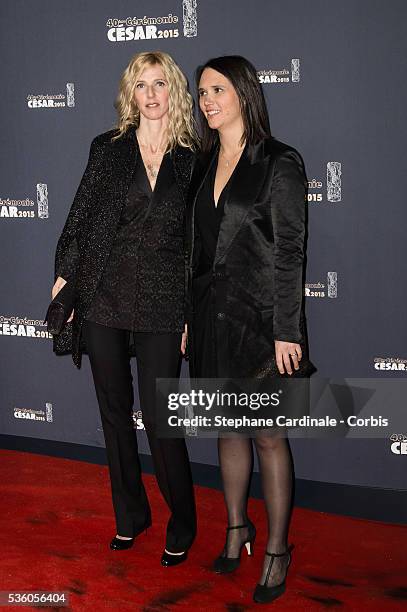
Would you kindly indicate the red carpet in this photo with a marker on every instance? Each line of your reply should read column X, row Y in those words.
column 57, row 521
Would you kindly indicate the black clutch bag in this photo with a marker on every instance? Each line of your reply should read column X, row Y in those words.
column 60, row 309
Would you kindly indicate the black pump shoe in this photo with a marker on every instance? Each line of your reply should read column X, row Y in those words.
column 267, row 594
column 224, row 564
column 168, row 560
column 119, row 544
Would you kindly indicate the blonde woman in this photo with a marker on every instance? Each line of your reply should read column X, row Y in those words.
column 122, row 250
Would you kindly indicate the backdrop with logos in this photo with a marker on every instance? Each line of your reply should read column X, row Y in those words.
column 332, row 76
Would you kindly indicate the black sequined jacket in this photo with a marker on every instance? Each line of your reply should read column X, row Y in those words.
column 88, row 234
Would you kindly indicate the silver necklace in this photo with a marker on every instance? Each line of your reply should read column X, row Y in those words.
column 227, row 162
column 152, row 165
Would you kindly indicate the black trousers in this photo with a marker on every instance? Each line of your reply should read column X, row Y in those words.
column 158, row 356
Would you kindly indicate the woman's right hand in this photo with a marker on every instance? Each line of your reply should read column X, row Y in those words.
column 59, row 283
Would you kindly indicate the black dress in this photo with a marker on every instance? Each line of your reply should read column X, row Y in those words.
column 211, row 344
column 207, row 223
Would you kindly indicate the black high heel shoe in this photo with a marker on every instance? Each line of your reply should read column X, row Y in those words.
column 169, row 560
column 224, row 564
column 267, row 594
column 119, row 544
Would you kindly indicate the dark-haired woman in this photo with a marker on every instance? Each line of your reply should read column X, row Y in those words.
column 246, row 228
column 122, row 247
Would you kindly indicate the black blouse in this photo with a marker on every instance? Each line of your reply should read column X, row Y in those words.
column 208, row 218
column 120, row 295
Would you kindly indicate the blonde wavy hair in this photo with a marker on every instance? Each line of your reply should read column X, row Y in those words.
column 181, row 122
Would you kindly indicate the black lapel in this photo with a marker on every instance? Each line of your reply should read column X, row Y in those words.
column 244, row 188
column 201, row 169
column 182, row 158
column 124, row 156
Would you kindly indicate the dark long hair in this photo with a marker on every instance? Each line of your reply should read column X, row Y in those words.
column 243, row 76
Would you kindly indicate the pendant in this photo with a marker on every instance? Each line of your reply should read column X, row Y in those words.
column 153, row 172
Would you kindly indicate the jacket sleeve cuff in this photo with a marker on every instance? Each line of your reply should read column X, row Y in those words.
column 288, row 336
column 66, row 267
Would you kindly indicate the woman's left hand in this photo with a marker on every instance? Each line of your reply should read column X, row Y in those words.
column 285, row 352
column 184, row 340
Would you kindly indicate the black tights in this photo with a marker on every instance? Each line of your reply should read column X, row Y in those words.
column 276, row 469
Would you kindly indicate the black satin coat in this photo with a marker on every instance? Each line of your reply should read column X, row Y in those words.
column 257, row 288
column 88, row 234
